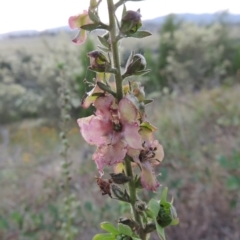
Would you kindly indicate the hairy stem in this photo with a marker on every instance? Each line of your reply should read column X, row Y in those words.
column 114, row 45
column 118, row 79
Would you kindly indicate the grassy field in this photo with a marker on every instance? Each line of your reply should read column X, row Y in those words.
column 200, row 133
column 201, row 137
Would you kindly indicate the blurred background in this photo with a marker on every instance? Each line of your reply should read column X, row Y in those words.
column 195, row 84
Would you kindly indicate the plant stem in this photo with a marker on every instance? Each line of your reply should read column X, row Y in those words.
column 133, row 196
column 118, row 79
column 115, row 53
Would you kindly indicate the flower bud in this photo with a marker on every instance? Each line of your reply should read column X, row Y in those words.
column 137, row 64
column 150, row 227
column 140, row 206
column 131, row 22
column 98, row 61
column 120, row 178
column 120, row 194
column 166, row 214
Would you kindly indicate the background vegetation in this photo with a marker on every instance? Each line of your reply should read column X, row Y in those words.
column 195, row 84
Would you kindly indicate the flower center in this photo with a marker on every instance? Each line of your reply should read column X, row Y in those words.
column 147, row 154
column 117, row 127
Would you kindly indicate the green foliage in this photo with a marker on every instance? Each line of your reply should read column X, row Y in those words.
column 200, row 161
column 29, row 81
column 192, row 57
column 232, row 165
column 123, row 232
column 163, row 213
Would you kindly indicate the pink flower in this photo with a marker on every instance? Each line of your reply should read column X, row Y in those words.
column 151, row 155
column 77, row 22
column 113, row 130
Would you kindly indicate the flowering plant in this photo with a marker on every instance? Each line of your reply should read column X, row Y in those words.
column 119, row 128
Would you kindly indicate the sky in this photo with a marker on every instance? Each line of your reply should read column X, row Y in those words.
column 16, row 15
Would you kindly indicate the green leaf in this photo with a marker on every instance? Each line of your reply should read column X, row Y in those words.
column 140, row 34
column 154, row 207
column 94, row 26
column 103, row 41
column 107, row 226
column 102, row 236
column 93, row 16
column 124, row 229
column 164, row 195
column 160, row 232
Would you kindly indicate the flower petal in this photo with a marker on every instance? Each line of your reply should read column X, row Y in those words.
column 103, row 104
column 94, row 129
column 159, row 153
column 80, row 38
column 131, row 135
column 134, row 154
column 128, row 112
column 148, row 177
column 109, row 155
column 91, row 96
column 79, row 20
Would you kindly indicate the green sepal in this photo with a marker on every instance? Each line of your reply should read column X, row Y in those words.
column 94, row 26
column 147, row 101
column 140, row 34
column 106, row 88
column 107, row 226
column 164, row 195
column 103, row 69
column 103, row 41
column 124, row 10
column 154, row 207
column 94, row 17
column 137, row 182
column 175, row 222
column 124, row 229
column 148, row 125
column 104, row 236
column 106, row 50
column 139, row 73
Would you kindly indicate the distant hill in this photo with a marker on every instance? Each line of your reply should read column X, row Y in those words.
column 202, row 19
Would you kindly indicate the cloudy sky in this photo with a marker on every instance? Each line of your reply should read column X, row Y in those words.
column 42, row 14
